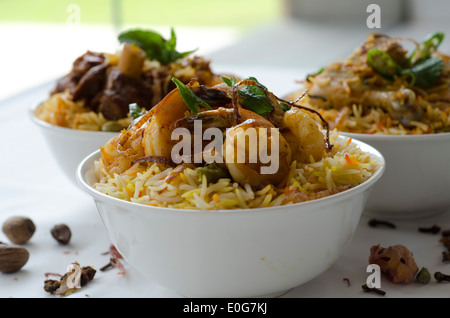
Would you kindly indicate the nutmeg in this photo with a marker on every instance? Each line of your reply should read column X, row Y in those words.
column 61, row 233
column 12, row 258
column 19, row 229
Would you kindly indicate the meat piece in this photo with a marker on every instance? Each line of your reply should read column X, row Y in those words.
column 388, row 45
column 80, row 66
column 396, row 262
column 91, row 84
column 120, row 92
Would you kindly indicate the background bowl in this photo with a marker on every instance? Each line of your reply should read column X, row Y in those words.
column 234, row 253
column 70, row 146
column 417, row 178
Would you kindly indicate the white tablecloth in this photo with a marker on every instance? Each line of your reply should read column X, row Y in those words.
column 32, row 185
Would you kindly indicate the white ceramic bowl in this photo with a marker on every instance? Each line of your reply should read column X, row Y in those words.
column 234, row 253
column 417, row 178
column 70, row 146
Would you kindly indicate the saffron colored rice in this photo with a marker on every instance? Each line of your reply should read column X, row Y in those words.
column 344, row 167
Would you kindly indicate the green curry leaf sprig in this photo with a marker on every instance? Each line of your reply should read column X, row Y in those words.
column 253, row 97
column 154, row 45
column 423, row 69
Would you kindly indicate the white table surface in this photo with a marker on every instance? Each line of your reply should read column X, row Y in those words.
column 32, row 185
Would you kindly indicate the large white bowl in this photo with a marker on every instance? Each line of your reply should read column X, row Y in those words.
column 70, row 146
column 417, row 178
column 234, row 253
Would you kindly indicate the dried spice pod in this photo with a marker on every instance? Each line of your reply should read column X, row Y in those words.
column 12, row 258
column 423, row 276
column 19, row 229
column 396, row 262
column 61, row 233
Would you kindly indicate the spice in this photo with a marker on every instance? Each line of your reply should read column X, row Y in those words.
column 423, row 276
column 441, row 277
column 76, row 274
column 378, row 291
column 114, row 260
column 375, row 223
column 61, row 233
column 12, row 258
column 433, row 230
column 396, row 262
column 446, row 242
column 104, row 268
column 445, row 256
column 19, row 229
column 445, row 233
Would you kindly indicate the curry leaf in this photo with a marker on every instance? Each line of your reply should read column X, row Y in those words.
column 285, row 107
column 229, row 81
column 314, row 74
column 154, row 45
column 135, row 111
column 425, row 72
column 255, row 99
column 193, row 102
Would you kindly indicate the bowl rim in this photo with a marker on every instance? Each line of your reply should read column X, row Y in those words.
column 82, row 182
column 60, row 129
column 397, row 138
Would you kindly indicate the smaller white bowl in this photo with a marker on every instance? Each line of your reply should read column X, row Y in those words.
column 231, row 253
column 417, row 178
column 70, row 146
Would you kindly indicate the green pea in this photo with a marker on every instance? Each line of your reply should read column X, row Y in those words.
column 112, row 126
column 212, row 173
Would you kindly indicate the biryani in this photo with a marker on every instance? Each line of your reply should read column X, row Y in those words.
column 391, row 86
column 142, row 165
column 97, row 92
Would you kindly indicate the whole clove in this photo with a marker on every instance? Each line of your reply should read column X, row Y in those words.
column 376, row 223
column 433, row 230
column 378, row 291
column 445, row 233
column 440, row 277
column 105, row 267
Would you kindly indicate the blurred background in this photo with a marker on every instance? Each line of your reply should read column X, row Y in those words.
column 41, row 39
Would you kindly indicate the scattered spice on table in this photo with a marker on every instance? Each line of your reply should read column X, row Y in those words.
column 71, row 281
column 396, row 262
column 347, row 281
column 446, row 242
column 376, row 223
column 61, row 233
column 423, row 276
column 445, row 256
column 378, row 291
column 440, row 277
column 435, row 229
column 114, row 260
